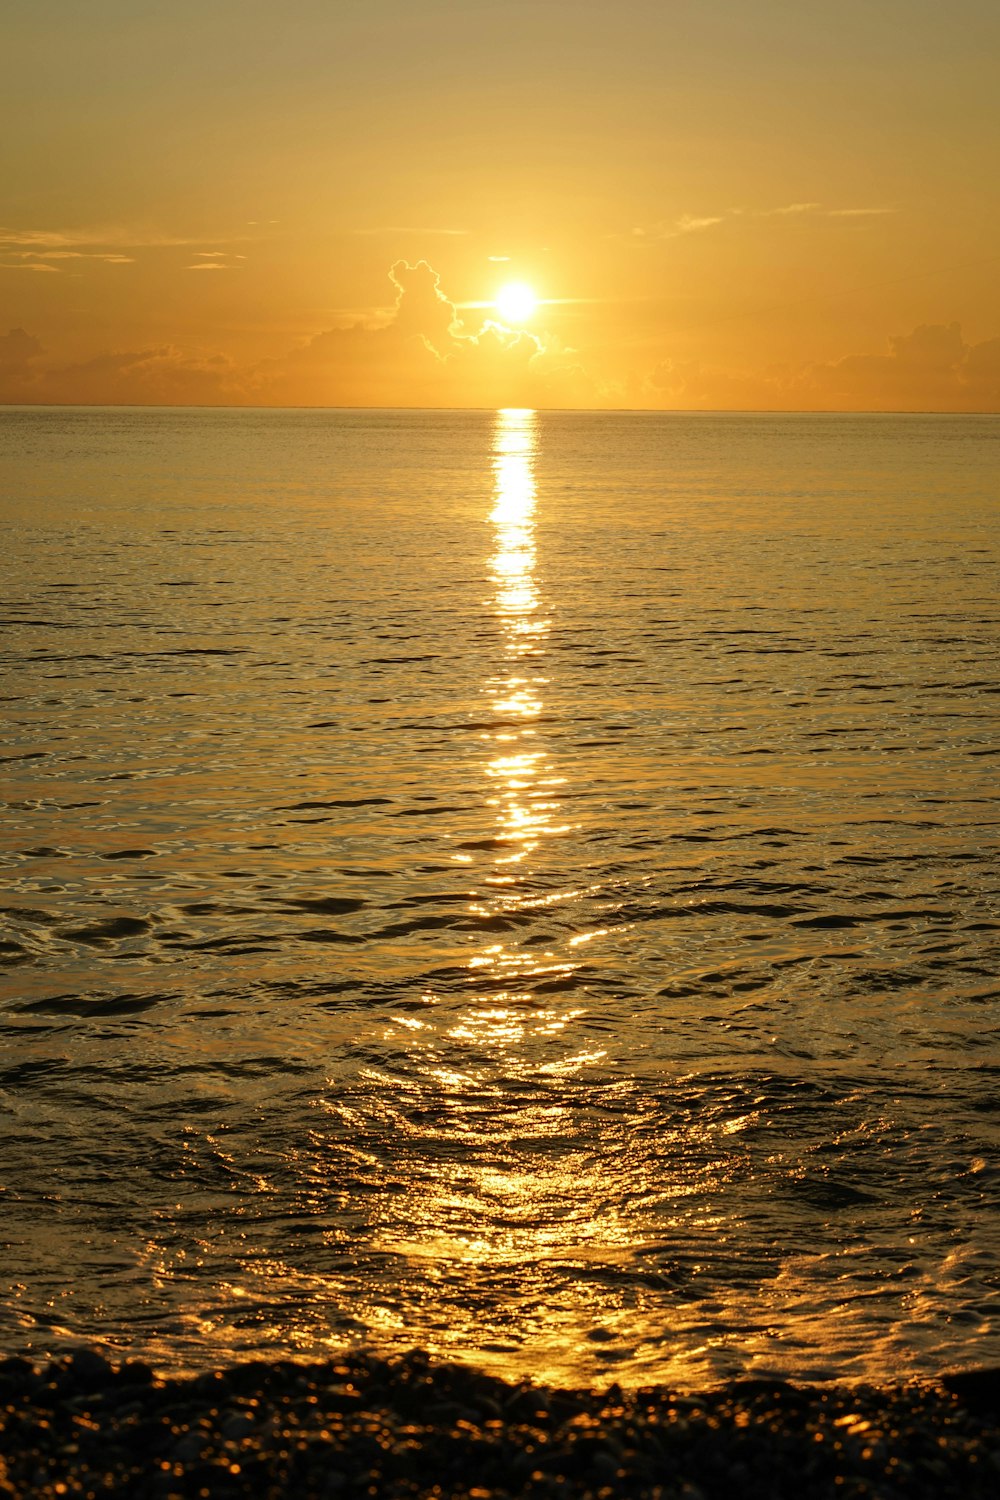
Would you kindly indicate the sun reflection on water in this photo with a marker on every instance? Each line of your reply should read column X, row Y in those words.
column 522, row 799
column 513, row 561
column 490, row 1100
column 523, row 786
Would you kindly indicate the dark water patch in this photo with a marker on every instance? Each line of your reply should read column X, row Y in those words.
column 198, row 651
column 831, row 919
column 36, row 1069
column 493, row 921
column 335, row 802
column 328, row 905
column 431, row 812
column 825, row 1194
column 233, row 943
column 130, row 854
column 327, row 935
column 418, row 924
column 487, row 844
column 95, row 1007
column 30, row 914
column 108, row 930
column 709, row 908
column 911, row 914
column 436, row 898
column 386, row 661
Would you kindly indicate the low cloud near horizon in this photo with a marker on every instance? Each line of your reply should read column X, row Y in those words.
column 422, row 353
column 930, row 369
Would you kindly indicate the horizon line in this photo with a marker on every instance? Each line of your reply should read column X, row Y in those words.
column 665, row 411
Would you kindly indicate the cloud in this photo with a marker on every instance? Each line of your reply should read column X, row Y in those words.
column 410, row 229
column 422, row 310
column 819, row 211
column 982, row 374
column 923, row 370
column 421, row 352
column 215, row 260
column 39, row 260
column 686, row 385
column 50, row 239
column 855, row 213
column 104, row 238
column 930, row 369
column 20, row 371
column 36, row 249
column 789, row 208
column 158, row 376
column 691, row 223
column 115, row 258
column 17, row 351
column 686, row 224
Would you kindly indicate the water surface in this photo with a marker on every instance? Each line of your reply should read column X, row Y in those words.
column 520, row 884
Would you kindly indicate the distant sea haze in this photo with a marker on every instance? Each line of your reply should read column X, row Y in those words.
column 519, row 884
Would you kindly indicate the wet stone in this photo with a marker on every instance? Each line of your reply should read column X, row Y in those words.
column 414, row 1430
column 237, row 1426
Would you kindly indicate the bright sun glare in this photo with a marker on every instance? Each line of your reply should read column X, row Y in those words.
column 515, row 302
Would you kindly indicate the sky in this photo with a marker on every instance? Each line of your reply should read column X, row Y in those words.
column 727, row 204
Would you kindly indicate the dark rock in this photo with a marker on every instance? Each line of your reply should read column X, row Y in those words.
column 236, row 1426
column 88, row 1370
column 978, row 1390
column 135, row 1372
column 212, row 1383
column 188, row 1449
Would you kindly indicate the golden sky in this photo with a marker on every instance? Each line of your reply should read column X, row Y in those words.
column 718, row 203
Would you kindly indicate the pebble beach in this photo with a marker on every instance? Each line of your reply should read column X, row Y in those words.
column 410, row 1426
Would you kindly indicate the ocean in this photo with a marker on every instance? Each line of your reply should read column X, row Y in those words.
column 523, row 885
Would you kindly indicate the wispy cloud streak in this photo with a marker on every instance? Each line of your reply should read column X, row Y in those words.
column 694, row 223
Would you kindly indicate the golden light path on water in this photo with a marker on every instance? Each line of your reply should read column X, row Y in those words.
column 520, row 1206
column 523, row 785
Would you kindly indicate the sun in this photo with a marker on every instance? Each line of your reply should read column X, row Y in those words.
column 515, row 302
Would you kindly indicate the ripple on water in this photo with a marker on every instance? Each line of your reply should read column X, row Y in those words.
column 555, row 923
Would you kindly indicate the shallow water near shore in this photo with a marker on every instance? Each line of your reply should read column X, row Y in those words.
column 523, row 885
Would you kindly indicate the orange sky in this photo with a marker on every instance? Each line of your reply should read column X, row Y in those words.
column 730, row 203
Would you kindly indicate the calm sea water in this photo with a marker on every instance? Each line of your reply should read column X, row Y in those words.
column 522, row 885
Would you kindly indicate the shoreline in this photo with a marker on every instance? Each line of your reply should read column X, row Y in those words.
column 412, row 1426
